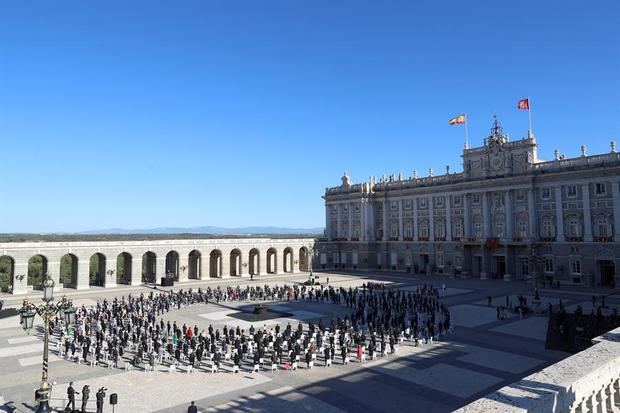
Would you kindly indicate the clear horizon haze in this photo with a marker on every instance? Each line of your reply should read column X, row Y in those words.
column 143, row 114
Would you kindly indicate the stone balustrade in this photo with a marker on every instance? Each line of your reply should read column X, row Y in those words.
column 585, row 382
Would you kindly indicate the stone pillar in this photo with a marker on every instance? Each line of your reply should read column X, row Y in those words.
column 225, row 265
column 400, row 219
column 339, row 221
column 371, row 220
column 363, row 235
column 136, row 270
column 262, row 262
column 483, row 264
column 587, row 215
column 350, row 221
column 448, row 218
column 510, row 264
column 531, row 213
column 415, row 219
column 83, row 273
column 510, row 221
column 110, row 273
column 431, row 220
column 385, row 220
column 53, row 269
column 615, row 193
column 160, row 268
column 486, row 215
column 183, row 262
column 20, row 270
column 559, row 217
column 467, row 217
column 328, row 222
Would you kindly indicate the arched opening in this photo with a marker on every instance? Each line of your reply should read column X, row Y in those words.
column 172, row 265
column 7, row 269
column 303, row 259
column 68, row 271
column 235, row 263
column 194, row 264
column 97, row 270
column 215, row 264
column 287, row 259
column 37, row 268
column 254, row 261
column 272, row 261
column 123, row 268
column 149, row 267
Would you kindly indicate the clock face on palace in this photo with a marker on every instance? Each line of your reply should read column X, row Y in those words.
column 497, row 161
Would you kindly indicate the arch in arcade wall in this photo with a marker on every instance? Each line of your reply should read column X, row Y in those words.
column 287, row 259
column 272, row 260
column 236, row 263
column 149, row 267
column 254, row 261
column 68, row 271
column 304, row 259
column 37, row 269
column 215, row 264
column 7, row 271
column 97, row 269
column 123, row 268
column 172, row 265
column 194, row 265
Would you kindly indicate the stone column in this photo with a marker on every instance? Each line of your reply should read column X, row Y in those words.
column 615, row 193
column 400, row 219
column 53, row 269
column 510, row 264
column 363, row 235
column 350, row 219
column 587, row 215
column 415, row 219
column 183, row 262
column 385, row 220
column 225, row 265
column 328, row 223
column 510, row 221
column 205, row 261
column 448, row 218
column 20, row 270
column 83, row 273
column 262, row 262
column 483, row 264
column 467, row 217
column 160, row 267
column 371, row 220
column 136, row 270
column 531, row 213
column 339, row 221
column 486, row 215
column 110, row 279
column 559, row 218
column 431, row 221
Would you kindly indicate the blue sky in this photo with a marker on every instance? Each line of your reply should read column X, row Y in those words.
column 139, row 114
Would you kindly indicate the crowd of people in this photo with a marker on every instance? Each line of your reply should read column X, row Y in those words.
column 130, row 332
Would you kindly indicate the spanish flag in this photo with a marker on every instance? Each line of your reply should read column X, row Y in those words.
column 459, row 120
column 523, row 104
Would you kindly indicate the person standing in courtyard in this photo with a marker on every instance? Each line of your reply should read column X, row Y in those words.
column 192, row 408
column 100, row 399
column 71, row 396
column 85, row 396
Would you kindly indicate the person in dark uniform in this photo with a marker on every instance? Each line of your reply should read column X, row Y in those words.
column 100, row 399
column 85, row 396
column 71, row 395
column 192, row 408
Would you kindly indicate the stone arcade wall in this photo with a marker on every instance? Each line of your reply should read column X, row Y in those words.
column 274, row 250
column 585, row 382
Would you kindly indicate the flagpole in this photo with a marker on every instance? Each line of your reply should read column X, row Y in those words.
column 466, row 135
column 529, row 114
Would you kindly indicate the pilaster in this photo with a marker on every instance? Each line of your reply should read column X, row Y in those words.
column 110, row 273
column 559, row 216
column 183, row 267
column 136, row 271
column 587, row 215
column 509, row 216
column 615, row 193
column 400, row 219
column 531, row 213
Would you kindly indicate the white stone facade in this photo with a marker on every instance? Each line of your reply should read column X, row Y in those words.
column 182, row 259
column 508, row 215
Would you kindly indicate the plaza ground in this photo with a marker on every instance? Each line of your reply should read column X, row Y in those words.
column 482, row 355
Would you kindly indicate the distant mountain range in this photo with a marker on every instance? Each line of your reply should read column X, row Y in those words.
column 208, row 230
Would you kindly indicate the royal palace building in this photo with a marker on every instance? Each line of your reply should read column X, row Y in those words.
column 507, row 215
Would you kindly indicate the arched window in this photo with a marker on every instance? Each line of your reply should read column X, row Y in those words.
column 573, row 226
column 440, row 229
column 458, row 229
column 498, row 226
column 548, row 227
column 423, row 230
column 393, row 230
column 522, row 226
column 478, row 226
column 408, row 230
column 602, row 227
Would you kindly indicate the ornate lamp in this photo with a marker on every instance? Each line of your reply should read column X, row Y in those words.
column 27, row 313
column 69, row 313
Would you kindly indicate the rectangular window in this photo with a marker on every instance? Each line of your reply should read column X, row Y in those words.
column 440, row 260
column 601, row 189
column 546, row 193
column 571, row 191
column 423, row 202
column 520, row 195
column 439, row 200
column 525, row 266
column 575, row 266
column 478, row 229
column 458, row 261
column 522, row 228
column 457, row 200
column 408, row 204
column 475, row 199
column 549, row 268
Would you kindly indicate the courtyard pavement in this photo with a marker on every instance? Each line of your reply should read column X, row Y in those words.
column 482, row 355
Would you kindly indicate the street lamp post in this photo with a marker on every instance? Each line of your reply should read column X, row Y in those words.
column 46, row 311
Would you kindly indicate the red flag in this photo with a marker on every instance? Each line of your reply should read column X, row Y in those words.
column 524, row 104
